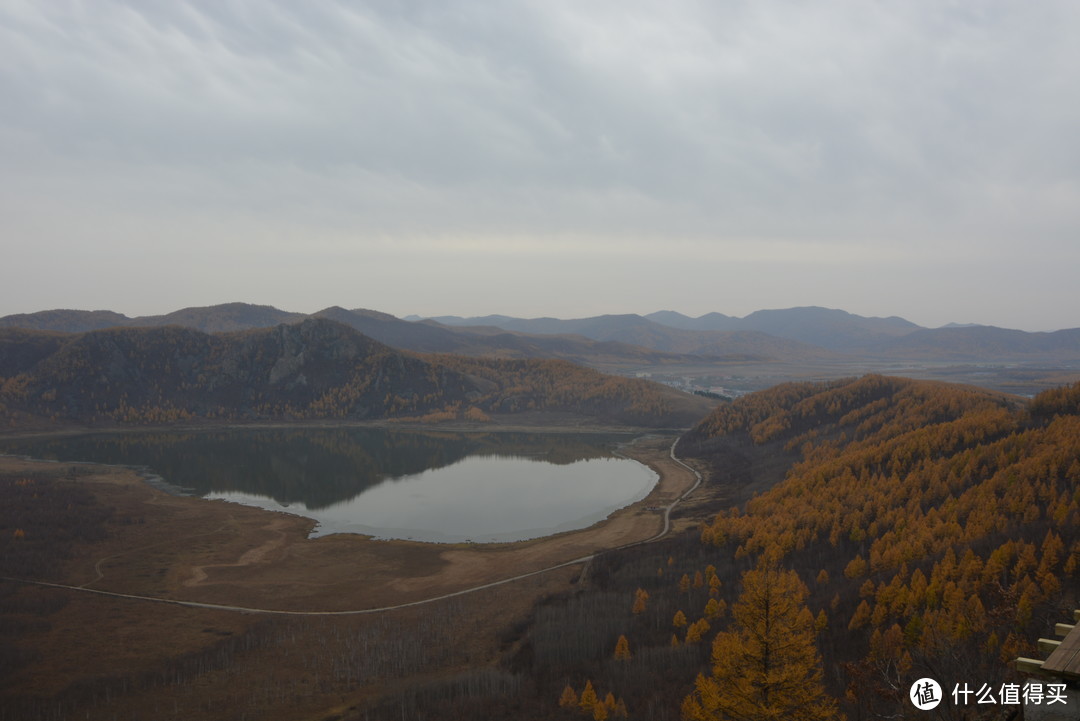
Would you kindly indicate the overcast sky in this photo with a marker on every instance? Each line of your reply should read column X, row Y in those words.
column 918, row 158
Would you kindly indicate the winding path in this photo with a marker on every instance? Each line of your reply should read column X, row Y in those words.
column 171, row 541
column 242, row 609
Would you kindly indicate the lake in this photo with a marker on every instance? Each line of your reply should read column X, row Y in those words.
column 387, row 483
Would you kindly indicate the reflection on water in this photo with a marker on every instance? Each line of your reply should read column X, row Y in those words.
column 386, row 483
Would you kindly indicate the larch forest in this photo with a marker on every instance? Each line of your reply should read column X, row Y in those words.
column 856, row 535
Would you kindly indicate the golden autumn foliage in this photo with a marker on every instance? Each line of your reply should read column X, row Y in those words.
column 950, row 483
column 714, row 609
column 954, row 511
column 697, row 630
column 588, row 697
column 1057, row 401
column 591, row 704
column 684, row 583
column 523, row 385
column 766, row 666
column 476, row 415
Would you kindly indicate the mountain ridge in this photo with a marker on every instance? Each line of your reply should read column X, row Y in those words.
column 801, row 334
column 317, row 369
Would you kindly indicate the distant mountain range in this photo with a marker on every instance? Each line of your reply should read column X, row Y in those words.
column 801, row 333
column 665, row 337
column 824, row 327
column 210, row 319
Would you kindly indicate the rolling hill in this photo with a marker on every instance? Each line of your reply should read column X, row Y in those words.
column 490, row 341
column 834, row 330
column 804, row 334
column 640, row 331
column 317, row 369
column 424, row 337
column 794, row 335
column 938, row 525
column 209, row 319
column 981, row 343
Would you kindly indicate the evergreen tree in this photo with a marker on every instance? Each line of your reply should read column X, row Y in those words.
column 696, row 630
column 588, row 697
column 713, row 609
column 766, row 666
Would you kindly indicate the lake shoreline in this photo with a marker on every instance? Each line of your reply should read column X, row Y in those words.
column 310, row 573
column 536, row 422
column 189, row 549
column 383, row 481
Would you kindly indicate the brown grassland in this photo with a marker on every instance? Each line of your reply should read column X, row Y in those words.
column 85, row 655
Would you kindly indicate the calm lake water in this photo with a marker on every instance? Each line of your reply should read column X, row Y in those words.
column 442, row 487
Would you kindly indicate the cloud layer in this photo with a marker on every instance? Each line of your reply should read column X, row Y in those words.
column 557, row 158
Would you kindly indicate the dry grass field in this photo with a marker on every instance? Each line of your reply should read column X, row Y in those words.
column 83, row 655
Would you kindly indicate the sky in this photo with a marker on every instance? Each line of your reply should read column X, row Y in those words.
column 918, row 158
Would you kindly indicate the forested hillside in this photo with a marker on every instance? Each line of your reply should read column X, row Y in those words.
column 314, row 370
column 937, row 525
column 877, row 531
column 882, row 530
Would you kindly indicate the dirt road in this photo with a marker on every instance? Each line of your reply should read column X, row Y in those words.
column 251, row 563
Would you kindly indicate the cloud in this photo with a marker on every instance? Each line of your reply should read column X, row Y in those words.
column 837, row 130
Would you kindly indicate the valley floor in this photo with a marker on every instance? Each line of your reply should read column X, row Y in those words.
column 93, row 652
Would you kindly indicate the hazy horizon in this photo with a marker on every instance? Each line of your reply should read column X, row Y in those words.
column 544, row 159
column 418, row 316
